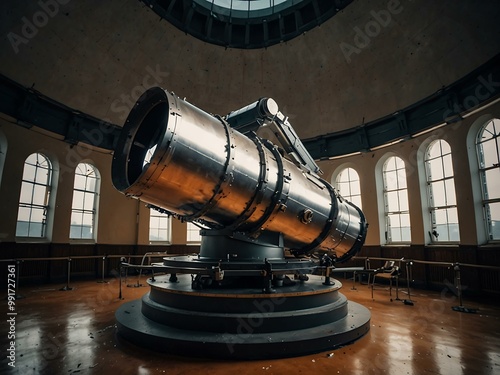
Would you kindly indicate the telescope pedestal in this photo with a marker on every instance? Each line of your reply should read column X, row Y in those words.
column 237, row 299
column 302, row 318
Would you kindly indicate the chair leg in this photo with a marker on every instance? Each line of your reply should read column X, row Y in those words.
column 373, row 282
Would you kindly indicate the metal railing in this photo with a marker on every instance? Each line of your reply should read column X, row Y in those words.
column 456, row 266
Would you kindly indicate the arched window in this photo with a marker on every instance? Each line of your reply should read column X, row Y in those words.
column 397, row 215
column 348, row 186
column 441, row 192
column 488, row 151
column 34, row 197
column 193, row 234
column 160, row 226
column 85, row 198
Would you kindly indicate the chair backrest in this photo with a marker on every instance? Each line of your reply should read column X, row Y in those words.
column 388, row 265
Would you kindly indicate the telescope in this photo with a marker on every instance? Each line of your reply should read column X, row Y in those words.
column 272, row 233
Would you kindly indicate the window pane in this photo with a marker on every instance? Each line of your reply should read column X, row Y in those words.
column 33, row 159
column 452, row 215
column 343, row 188
column 80, row 182
column 447, row 166
column 159, row 226
column 39, row 195
column 442, row 233
column 78, row 199
column 454, row 232
column 193, row 233
column 403, row 200
column 33, row 198
column 37, row 214
column 343, row 176
column 87, row 219
column 438, row 194
column 435, row 169
column 42, row 176
column 84, row 199
column 433, row 151
column 75, row 231
column 163, row 234
column 490, row 154
column 391, row 182
column 29, row 172
column 400, row 164
column 355, row 188
column 92, row 184
column 88, row 202
column 36, row 230
column 24, row 214
column 494, row 220
column 493, row 183
column 396, row 235
column 392, row 201
column 404, row 220
column 450, row 192
column 440, row 217
column 357, row 200
column 401, row 179
column 396, row 197
column 26, row 192
column 442, row 193
column 348, row 186
column 76, row 218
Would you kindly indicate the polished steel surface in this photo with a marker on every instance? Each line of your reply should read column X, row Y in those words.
column 73, row 332
column 177, row 157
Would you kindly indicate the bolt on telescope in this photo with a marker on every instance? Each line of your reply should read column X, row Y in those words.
column 219, row 172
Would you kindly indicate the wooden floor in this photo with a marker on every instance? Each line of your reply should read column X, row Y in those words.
column 73, row 332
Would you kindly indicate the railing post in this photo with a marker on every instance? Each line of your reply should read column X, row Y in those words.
column 120, row 293
column 67, row 287
column 103, row 268
column 458, row 286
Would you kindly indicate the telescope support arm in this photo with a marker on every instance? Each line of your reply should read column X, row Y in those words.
column 265, row 112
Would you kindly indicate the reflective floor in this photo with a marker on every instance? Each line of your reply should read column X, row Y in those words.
column 73, row 332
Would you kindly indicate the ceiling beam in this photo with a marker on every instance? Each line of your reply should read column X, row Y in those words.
column 446, row 106
column 31, row 108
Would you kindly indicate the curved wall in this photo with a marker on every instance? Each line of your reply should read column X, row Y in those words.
column 368, row 61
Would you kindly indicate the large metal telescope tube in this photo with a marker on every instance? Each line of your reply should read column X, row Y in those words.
column 175, row 156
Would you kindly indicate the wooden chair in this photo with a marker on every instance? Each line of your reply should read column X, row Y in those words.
column 388, row 271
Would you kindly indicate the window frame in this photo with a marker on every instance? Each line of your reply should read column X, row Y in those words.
column 191, row 228
column 388, row 214
column 349, row 183
column 158, row 214
column 95, row 202
column 431, row 193
column 486, row 202
column 46, row 206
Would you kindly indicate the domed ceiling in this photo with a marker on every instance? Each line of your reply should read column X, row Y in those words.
column 366, row 60
column 246, row 23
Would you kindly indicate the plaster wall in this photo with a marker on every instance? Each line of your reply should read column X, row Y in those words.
column 373, row 58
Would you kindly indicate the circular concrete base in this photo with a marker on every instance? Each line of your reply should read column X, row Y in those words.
column 303, row 318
